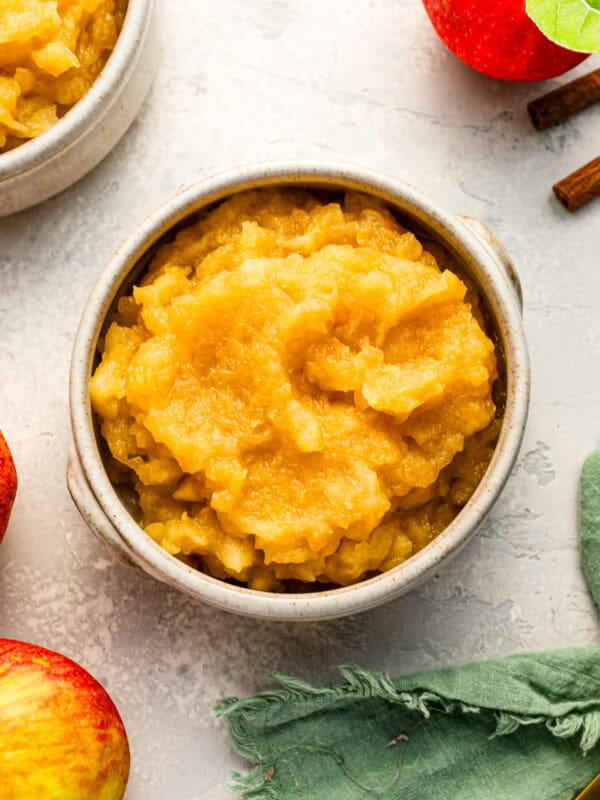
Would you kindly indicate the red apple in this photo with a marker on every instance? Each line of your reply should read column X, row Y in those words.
column 499, row 39
column 61, row 737
column 8, row 484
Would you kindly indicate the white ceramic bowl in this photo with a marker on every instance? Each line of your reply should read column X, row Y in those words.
column 478, row 254
column 44, row 166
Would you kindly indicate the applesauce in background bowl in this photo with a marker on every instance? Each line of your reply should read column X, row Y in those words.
column 71, row 82
column 400, row 531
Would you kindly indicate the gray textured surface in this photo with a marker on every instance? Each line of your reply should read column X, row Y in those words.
column 239, row 82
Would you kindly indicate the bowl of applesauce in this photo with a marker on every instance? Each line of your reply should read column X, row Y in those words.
column 297, row 390
column 73, row 77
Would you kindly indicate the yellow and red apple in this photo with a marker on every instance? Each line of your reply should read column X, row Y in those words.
column 61, row 736
column 8, row 484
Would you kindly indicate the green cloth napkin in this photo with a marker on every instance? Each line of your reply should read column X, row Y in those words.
column 521, row 728
column 589, row 522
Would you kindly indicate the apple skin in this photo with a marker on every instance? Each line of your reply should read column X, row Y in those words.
column 61, row 735
column 8, row 484
column 499, row 40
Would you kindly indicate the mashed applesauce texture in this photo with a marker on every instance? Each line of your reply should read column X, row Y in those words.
column 51, row 52
column 298, row 391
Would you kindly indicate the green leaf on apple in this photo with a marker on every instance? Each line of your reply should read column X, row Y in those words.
column 574, row 24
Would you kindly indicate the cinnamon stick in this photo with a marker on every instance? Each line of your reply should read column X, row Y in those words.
column 580, row 187
column 552, row 108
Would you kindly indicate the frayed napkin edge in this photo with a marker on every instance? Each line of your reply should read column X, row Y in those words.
column 261, row 782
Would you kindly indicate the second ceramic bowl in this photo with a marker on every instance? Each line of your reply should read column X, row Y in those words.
column 473, row 248
column 44, row 166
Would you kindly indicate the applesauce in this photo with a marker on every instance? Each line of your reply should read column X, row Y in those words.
column 297, row 391
column 51, row 52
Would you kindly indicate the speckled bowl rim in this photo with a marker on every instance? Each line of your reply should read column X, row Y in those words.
column 96, row 102
column 501, row 297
